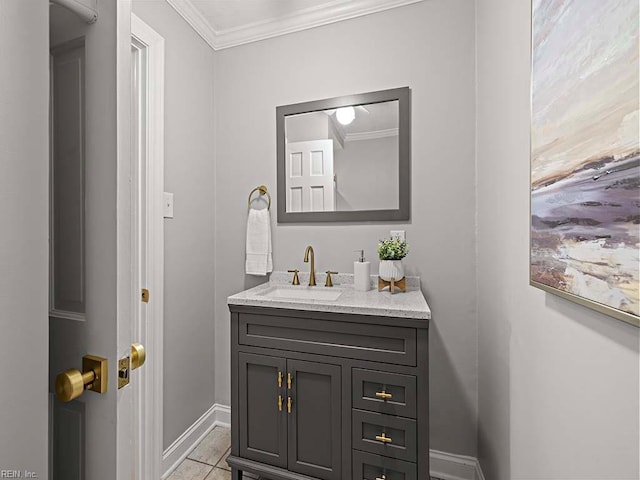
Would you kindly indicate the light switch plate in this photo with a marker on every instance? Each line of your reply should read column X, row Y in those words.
column 168, row 205
column 399, row 234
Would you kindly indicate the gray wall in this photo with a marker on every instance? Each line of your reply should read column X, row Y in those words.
column 430, row 47
column 310, row 126
column 189, row 236
column 558, row 383
column 367, row 173
column 24, row 249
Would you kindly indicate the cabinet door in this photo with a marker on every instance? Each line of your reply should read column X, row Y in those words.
column 263, row 420
column 315, row 419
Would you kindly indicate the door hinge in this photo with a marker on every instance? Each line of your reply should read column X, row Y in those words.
column 145, row 295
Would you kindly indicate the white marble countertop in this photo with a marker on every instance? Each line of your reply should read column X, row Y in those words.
column 409, row 304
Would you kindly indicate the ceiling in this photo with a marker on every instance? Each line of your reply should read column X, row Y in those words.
column 228, row 23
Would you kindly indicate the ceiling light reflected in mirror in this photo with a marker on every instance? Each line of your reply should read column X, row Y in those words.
column 345, row 115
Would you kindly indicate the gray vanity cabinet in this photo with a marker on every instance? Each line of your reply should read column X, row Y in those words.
column 330, row 396
column 288, row 417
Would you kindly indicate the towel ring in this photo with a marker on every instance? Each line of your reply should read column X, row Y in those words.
column 262, row 190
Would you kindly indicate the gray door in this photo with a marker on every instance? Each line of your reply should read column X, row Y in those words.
column 315, row 419
column 92, row 436
column 262, row 406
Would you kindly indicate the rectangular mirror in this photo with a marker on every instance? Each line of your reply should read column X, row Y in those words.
column 345, row 158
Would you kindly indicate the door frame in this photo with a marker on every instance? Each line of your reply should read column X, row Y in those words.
column 149, row 328
column 126, row 457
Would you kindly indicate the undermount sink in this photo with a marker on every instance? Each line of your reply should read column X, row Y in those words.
column 303, row 293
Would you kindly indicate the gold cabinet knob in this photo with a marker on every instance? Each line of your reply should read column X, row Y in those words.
column 138, row 355
column 384, row 395
column 383, row 438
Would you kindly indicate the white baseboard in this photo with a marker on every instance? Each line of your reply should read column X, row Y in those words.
column 449, row 466
column 446, row 466
column 182, row 447
column 222, row 415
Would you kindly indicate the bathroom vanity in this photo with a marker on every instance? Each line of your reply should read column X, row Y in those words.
column 329, row 383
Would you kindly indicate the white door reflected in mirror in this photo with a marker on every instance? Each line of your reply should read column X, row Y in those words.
column 310, row 179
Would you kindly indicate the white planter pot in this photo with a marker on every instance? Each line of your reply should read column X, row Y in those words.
column 391, row 269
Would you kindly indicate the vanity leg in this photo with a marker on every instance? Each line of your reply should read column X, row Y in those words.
column 236, row 474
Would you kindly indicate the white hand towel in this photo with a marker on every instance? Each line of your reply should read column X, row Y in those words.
column 258, row 260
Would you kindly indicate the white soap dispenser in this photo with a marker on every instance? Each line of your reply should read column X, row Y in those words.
column 361, row 273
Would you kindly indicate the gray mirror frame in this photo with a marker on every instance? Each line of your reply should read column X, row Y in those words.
column 403, row 95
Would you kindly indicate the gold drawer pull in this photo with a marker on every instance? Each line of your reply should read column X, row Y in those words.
column 384, row 395
column 279, row 379
column 383, row 438
column 289, row 402
column 288, row 381
column 279, row 403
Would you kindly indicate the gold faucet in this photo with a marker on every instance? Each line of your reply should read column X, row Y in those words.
column 312, row 269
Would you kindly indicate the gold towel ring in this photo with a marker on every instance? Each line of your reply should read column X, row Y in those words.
column 262, row 190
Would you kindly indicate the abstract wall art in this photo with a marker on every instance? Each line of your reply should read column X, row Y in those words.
column 585, row 153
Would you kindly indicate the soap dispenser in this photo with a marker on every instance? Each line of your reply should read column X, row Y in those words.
column 361, row 273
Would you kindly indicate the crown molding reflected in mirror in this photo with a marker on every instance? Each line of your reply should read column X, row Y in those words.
column 345, row 159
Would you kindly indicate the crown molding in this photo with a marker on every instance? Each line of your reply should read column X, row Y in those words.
column 332, row 12
column 197, row 21
column 359, row 136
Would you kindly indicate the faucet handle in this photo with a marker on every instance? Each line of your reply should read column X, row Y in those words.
column 329, row 282
column 296, row 280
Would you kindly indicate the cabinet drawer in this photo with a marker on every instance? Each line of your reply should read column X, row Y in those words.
column 384, row 392
column 367, row 466
column 400, row 435
column 340, row 339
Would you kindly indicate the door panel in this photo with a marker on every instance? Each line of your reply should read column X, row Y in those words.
column 67, row 180
column 315, row 419
column 263, row 424
column 68, row 441
column 310, row 180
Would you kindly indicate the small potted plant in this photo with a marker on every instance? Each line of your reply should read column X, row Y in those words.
column 391, row 252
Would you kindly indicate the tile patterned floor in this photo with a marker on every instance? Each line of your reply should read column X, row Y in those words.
column 208, row 461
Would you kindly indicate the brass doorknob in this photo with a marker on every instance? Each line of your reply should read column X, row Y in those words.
column 138, row 355
column 71, row 383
